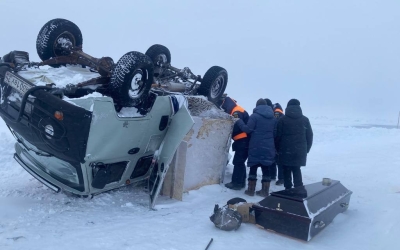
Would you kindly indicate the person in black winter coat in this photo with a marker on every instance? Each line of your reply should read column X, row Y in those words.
column 240, row 145
column 278, row 113
column 261, row 127
column 293, row 141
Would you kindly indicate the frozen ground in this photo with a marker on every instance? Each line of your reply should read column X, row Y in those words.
column 365, row 159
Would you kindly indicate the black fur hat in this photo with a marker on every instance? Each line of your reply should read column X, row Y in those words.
column 269, row 103
column 261, row 102
column 293, row 102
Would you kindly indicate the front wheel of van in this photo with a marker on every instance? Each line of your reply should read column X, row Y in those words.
column 131, row 79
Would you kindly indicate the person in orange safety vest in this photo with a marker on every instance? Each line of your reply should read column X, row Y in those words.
column 240, row 145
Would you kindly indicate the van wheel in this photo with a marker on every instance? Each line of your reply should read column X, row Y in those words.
column 213, row 84
column 131, row 79
column 159, row 54
column 55, row 37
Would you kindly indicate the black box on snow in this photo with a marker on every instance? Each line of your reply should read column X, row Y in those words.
column 302, row 212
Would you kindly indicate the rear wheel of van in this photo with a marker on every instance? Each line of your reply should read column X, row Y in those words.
column 56, row 38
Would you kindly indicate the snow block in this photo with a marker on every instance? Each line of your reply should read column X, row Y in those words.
column 201, row 158
column 302, row 212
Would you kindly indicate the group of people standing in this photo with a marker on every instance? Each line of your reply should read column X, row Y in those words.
column 268, row 138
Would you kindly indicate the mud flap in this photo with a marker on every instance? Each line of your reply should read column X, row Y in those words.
column 180, row 125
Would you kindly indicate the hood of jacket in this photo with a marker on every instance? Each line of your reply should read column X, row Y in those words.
column 228, row 105
column 293, row 111
column 264, row 111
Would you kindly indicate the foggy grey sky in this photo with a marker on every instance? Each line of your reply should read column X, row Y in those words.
column 339, row 58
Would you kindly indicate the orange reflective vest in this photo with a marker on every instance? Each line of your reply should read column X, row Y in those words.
column 237, row 108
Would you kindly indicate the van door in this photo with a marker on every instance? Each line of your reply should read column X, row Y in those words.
column 180, row 125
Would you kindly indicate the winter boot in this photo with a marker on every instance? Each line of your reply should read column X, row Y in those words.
column 251, row 187
column 264, row 192
column 234, row 186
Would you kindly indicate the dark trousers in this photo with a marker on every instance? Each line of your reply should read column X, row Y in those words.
column 280, row 173
column 241, row 149
column 272, row 171
column 287, row 176
column 265, row 173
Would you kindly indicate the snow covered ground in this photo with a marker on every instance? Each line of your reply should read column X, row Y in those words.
column 339, row 58
column 365, row 160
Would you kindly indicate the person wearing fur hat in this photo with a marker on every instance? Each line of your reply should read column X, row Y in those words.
column 278, row 110
column 261, row 127
column 278, row 113
column 240, row 144
column 293, row 141
column 272, row 168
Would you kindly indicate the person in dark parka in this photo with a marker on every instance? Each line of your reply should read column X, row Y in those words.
column 272, row 168
column 261, row 127
column 278, row 113
column 293, row 141
column 240, row 144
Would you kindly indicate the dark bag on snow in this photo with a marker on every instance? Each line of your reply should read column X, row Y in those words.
column 226, row 218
